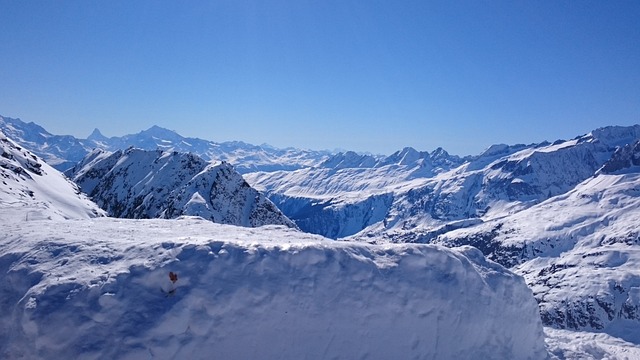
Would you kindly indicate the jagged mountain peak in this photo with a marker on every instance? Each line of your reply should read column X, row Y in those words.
column 439, row 153
column 96, row 135
column 136, row 183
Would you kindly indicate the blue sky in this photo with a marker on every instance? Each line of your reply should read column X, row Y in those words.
column 360, row 75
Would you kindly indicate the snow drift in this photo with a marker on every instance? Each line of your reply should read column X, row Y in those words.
column 100, row 289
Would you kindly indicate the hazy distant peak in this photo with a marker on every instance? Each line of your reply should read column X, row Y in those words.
column 96, row 135
column 160, row 132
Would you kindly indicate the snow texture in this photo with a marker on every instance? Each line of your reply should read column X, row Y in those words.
column 100, row 289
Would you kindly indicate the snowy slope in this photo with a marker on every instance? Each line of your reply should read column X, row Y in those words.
column 141, row 184
column 579, row 251
column 34, row 190
column 63, row 151
column 100, row 289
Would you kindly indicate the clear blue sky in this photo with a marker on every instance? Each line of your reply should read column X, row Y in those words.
column 360, row 75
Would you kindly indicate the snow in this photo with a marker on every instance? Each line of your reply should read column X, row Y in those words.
column 579, row 252
column 33, row 189
column 99, row 289
column 137, row 183
column 582, row 345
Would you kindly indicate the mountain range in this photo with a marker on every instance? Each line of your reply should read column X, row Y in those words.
column 562, row 214
column 64, row 151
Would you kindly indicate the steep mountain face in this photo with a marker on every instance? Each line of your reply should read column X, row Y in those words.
column 578, row 251
column 30, row 189
column 141, row 184
column 63, row 152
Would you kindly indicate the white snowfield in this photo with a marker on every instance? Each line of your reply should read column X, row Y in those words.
column 101, row 289
column 31, row 189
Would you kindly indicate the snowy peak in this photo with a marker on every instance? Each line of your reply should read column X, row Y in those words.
column 32, row 189
column 140, row 184
column 406, row 156
column 161, row 133
column 614, row 136
column 97, row 136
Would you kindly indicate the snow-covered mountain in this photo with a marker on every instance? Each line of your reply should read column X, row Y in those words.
column 579, row 251
column 141, row 184
column 191, row 289
column 408, row 197
column 63, row 152
column 34, row 190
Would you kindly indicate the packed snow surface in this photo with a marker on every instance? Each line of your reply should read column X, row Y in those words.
column 102, row 289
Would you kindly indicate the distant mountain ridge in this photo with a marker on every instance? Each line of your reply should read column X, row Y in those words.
column 64, row 151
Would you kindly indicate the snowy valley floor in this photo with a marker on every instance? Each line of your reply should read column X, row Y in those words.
column 101, row 289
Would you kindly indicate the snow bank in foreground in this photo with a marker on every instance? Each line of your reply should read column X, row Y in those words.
column 100, row 289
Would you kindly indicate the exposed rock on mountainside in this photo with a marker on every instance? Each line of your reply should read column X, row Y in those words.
column 141, row 184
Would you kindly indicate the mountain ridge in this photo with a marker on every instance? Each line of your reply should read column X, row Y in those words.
column 64, row 151
column 139, row 184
